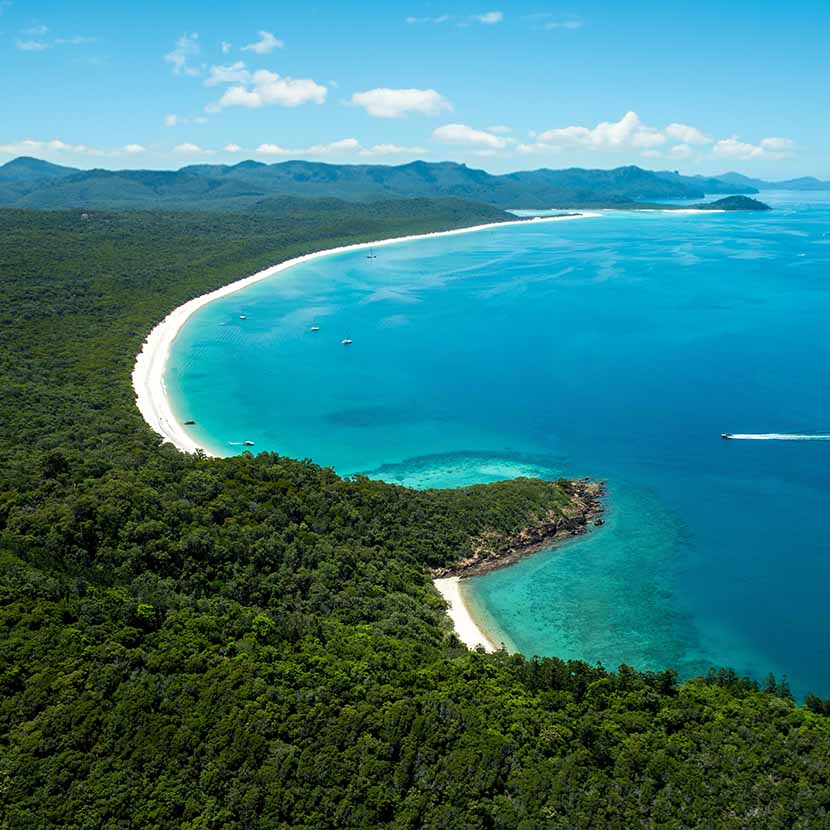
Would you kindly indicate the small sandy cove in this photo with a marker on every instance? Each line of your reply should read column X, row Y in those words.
column 465, row 626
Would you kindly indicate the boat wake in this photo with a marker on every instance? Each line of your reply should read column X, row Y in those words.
column 777, row 436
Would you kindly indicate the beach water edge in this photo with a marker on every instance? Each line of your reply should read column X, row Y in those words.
column 465, row 625
column 151, row 363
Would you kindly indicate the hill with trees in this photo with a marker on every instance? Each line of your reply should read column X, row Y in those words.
column 29, row 183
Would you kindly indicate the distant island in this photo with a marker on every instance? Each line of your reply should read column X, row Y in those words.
column 27, row 182
column 734, row 203
column 803, row 183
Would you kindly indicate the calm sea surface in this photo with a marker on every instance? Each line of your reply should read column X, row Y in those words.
column 618, row 347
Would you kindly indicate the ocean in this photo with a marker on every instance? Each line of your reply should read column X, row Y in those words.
column 617, row 347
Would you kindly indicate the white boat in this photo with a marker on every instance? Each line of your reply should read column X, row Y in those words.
column 346, row 342
column 248, row 443
column 242, row 317
column 315, row 328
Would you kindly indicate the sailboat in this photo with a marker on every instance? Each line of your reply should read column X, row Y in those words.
column 371, row 254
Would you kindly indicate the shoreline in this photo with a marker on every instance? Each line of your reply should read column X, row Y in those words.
column 465, row 626
column 490, row 554
column 544, row 536
column 151, row 363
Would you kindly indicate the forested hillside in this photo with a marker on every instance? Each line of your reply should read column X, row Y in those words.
column 254, row 642
column 30, row 183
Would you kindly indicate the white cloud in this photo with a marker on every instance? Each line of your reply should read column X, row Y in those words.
column 489, row 18
column 629, row 131
column 395, row 103
column 343, row 145
column 648, row 137
column 347, row 146
column 393, row 150
column 266, row 44
column 78, row 40
column 682, row 151
column 29, row 147
column 231, row 148
column 571, row 23
column 266, row 88
column 777, row 144
column 235, row 73
column 35, row 42
column 31, row 45
column 225, row 47
column 500, row 129
column 687, row 134
column 275, row 150
column 187, row 47
column 190, row 149
column 179, row 120
column 774, row 147
column 468, row 136
column 682, row 140
column 443, row 18
column 538, row 147
column 735, row 149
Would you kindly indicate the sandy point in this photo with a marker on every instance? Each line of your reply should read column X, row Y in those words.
column 465, row 626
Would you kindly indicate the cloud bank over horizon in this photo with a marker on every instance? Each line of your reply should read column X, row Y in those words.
column 486, row 96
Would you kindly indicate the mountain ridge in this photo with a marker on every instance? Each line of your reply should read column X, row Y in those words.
column 26, row 182
column 799, row 183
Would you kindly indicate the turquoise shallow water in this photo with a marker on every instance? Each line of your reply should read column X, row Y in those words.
column 618, row 347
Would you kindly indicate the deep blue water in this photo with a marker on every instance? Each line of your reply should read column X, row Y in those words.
column 618, row 347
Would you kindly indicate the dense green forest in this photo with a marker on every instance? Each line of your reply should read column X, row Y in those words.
column 254, row 642
column 32, row 183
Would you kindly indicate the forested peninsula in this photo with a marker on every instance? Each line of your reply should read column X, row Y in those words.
column 254, row 642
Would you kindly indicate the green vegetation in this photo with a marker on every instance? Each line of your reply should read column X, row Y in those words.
column 734, row 203
column 254, row 642
column 29, row 183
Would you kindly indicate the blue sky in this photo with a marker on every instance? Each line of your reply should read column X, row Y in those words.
column 697, row 86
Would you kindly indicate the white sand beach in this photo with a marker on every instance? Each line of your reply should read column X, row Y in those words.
column 150, row 365
column 465, row 626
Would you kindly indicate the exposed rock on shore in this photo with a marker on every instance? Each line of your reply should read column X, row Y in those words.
column 496, row 550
